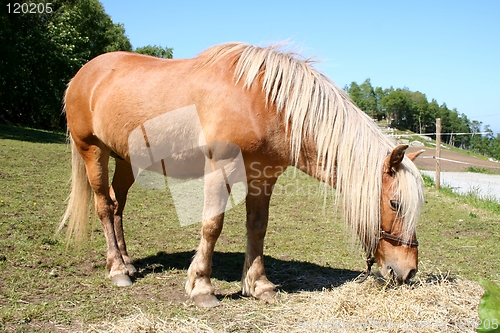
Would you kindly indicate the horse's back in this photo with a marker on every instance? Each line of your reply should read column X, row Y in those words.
column 110, row 70
column 119, row 89
column 117, row 93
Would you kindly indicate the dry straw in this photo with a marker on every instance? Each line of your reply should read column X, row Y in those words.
column 432, row 304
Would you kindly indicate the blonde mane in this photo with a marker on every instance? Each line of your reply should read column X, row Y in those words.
column 351, row 148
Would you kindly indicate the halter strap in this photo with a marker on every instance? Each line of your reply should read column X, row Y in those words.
column 400, row 240
column 370, row 260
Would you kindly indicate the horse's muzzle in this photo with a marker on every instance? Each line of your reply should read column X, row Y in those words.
column 400, row 277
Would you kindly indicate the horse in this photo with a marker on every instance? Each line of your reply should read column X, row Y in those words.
column 247, row 113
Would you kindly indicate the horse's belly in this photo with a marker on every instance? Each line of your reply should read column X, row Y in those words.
column 185, row 165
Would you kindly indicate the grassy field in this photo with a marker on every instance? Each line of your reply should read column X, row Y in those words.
column 45, row 287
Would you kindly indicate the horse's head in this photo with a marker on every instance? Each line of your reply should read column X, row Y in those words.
column 397, row 248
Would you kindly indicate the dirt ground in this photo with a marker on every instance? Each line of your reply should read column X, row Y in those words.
column 427, row 161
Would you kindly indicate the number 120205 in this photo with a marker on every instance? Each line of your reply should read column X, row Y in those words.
column 29, row 8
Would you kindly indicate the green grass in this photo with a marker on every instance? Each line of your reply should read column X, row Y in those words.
column 46, row 288
column 483, row 170
column 471, row 199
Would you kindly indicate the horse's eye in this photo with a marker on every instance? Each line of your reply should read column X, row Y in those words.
column 395, row 204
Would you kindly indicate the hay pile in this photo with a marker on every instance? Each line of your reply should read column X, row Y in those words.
column 433, row 304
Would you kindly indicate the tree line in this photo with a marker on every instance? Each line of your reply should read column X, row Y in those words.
column 42, row 50
column 404, row 109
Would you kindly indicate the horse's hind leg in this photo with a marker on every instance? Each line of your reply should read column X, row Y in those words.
column 122, row 180
column 96, row 159
column 254, row 280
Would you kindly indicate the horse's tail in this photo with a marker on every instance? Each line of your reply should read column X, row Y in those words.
column 78, row 210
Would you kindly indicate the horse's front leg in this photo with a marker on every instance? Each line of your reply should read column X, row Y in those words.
column 254, row 281
column 198, row 285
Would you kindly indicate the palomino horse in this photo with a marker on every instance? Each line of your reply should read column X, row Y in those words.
column 277, row 110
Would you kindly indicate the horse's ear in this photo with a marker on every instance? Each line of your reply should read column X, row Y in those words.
column 414, row 155
column 394, row 159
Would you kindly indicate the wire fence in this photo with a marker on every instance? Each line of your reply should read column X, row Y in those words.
column 461, row 162
column 445, row 159
column 429, row 134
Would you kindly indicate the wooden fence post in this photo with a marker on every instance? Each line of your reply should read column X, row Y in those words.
column 438, row 153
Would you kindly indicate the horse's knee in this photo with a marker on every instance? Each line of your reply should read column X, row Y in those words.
column 211, row 232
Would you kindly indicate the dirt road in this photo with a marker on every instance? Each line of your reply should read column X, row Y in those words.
column 462, row 161
column 452, row 175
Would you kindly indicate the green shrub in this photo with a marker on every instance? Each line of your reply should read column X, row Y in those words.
column 489, row 308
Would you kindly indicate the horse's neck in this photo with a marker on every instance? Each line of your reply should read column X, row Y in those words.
column 308, row 163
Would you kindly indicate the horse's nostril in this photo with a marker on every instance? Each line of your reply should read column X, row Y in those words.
column 400, row 276
column 411, row 274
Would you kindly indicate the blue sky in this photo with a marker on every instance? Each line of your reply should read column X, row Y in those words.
column 448, row 50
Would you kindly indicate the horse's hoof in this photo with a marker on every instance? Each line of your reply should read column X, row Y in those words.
column 121, row 280
column 206, row 301
column 269, row 296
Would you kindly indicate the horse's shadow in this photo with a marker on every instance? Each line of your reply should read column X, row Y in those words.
column 30, row 135
column 290, row 275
